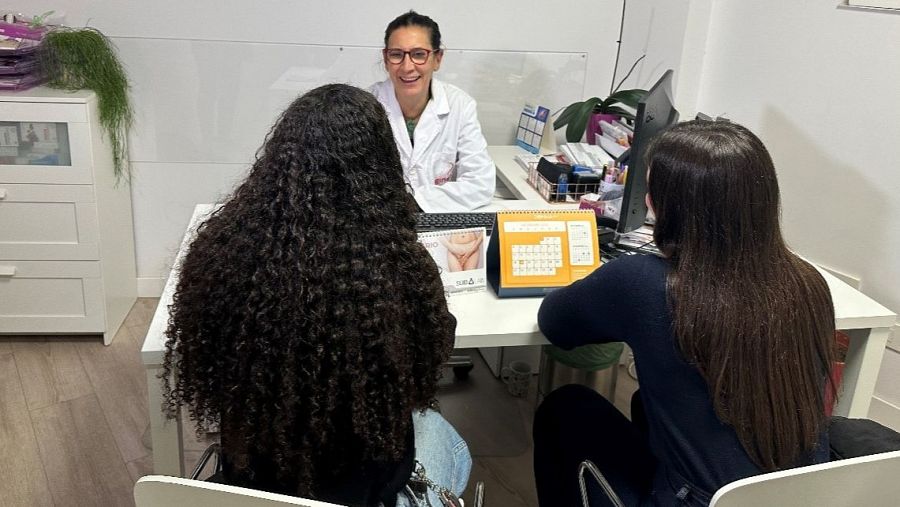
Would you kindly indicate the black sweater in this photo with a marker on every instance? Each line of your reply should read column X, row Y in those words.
column 625, row 300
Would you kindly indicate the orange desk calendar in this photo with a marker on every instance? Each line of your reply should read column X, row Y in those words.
column 531, row 253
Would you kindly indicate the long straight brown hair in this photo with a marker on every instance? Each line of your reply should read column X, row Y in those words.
column 756, row 320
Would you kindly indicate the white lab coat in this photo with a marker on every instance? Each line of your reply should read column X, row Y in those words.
column 448, row 167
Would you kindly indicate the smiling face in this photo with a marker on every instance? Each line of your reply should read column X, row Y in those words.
column 412, row 80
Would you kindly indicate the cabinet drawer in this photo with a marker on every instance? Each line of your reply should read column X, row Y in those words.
column 48, row 222
column 43, row 112
column 51, row 297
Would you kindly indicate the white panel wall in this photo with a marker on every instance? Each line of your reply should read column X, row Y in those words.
column 210, row 77
column 655, row 28
column 820, row 87
column 163, row 198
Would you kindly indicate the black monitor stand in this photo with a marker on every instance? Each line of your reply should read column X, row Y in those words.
column 606, row 230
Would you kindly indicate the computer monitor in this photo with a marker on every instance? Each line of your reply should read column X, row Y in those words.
column 655, row 112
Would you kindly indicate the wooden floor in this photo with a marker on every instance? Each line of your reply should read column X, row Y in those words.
column 74, row 421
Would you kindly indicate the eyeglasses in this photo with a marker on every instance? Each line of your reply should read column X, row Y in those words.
column 417, row 55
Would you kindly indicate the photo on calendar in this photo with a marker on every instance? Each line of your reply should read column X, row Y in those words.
column 459, row 255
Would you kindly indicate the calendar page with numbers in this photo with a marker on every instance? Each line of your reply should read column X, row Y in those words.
column 533, row 252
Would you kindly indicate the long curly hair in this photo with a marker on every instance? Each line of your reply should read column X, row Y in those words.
column 307, row 320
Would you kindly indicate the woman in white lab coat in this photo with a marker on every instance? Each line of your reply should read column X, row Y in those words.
column 444, row 155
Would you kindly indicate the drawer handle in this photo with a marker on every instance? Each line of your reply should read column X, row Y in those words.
column 7, row 271
column 2, row 193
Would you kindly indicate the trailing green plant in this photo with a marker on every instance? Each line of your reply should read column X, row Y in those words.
column 84, row 58
column 575, row 116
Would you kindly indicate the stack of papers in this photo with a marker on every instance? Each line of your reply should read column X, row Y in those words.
column 529, row 161
column 18, row 56
column 613, row 148
column 588, row 155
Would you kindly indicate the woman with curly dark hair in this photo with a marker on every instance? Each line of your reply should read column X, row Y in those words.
column 309, row 324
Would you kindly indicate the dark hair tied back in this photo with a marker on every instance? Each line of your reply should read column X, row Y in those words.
column 413, row 18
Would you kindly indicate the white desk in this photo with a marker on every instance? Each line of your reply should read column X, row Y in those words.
column 483, row 320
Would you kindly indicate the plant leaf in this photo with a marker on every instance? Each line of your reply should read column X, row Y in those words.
column 627, row 97
column 619, row 111
column 566, row 116
column 578, row 123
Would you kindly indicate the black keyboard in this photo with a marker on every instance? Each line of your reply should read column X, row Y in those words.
column 442, row 221
column 610, row 252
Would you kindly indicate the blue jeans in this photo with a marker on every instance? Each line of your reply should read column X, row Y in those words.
column 442, row 452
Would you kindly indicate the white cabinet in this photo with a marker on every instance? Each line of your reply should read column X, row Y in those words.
column 66, row 231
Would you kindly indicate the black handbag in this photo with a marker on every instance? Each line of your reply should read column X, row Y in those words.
column 851, row 438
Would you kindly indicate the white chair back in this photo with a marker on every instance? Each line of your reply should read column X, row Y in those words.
column 867, row 480
column 164, row 491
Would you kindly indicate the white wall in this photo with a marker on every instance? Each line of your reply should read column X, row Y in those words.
column 819, row 85
column 655, row 28
column 209, row 77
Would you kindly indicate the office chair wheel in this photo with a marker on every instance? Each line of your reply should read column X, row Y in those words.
column 462, row 372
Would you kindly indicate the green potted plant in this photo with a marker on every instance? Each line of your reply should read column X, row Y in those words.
column 586, row 115
column 83, row 58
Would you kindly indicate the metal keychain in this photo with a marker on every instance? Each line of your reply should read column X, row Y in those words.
column 419, row 483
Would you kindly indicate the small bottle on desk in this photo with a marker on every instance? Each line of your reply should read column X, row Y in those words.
column 562, row 186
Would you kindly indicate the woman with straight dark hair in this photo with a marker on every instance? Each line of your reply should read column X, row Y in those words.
column 309, row 325
column 733, row 337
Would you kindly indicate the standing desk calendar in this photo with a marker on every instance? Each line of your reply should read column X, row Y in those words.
column 459, row 256
column 533, row 252
column 535, row 133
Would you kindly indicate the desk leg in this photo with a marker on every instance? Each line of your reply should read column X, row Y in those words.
column 168, row 446
column 861, row 371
